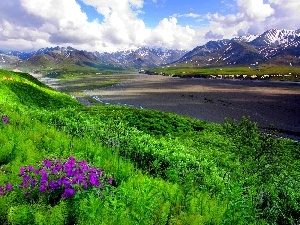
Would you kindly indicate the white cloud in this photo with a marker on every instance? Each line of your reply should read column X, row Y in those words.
column 171, row 35
column 255, row 10
column 255, row 17
column 32, row 24
column 286, row 14
column 125, row 8
column 191, row 15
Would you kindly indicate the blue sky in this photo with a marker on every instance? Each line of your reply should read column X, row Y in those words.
column 90, row 11
column 188, row 12
column 112, row 25
column 154, row 12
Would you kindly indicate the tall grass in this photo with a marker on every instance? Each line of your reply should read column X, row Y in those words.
column 167, row 169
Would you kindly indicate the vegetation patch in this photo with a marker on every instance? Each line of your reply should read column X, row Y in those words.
column 262, row 72
column 160, row 168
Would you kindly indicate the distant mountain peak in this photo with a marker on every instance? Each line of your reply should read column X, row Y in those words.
column 142, row 57
column 276, row 37
column 273, row 45
column 247, row 38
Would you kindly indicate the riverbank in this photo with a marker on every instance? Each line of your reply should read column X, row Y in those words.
column 270, row 104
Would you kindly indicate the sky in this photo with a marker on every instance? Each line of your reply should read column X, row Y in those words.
column 113, row 25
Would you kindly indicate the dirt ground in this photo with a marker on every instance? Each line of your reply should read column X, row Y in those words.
column 275, row 104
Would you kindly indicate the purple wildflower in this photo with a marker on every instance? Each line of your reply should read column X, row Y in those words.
column 30, row 168
column 80, row 179
column 43, row 188
column 47, row 163
column 22, row 171
column 26, row 180
column 110, row 180
column 68, row 176
column 54, row 185
column 71, row 161
column 57, row 167
column 9, row 187
column 69, row 192
column 2, row 191
column 92, row 170
column 64, row 181
column 44, row 177
column 5, row 119
column 100, row 172
column 94, row 181
column 70, row 173
column 32, row 182
column 85, row 186
column 83, row 165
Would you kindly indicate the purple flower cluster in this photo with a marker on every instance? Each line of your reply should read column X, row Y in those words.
column 4, row 189
column 66, row 177
column 5, row 119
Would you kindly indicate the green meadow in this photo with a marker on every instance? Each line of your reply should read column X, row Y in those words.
column 278, row 72
column 166, row 168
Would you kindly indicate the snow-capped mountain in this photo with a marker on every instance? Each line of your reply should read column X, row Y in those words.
column 27, row 55
column 141, row 57
column 20, row 55
column 205, row 50
column 7, row 60
column 272, row 46
column 56, row 57
column 275, row 38
column 247, row 38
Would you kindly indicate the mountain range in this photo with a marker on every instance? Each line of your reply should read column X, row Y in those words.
column 273, row 47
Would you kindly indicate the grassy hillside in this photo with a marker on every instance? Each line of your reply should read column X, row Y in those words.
column 63, row 163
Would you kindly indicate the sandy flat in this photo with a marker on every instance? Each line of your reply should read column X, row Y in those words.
column 274, row 104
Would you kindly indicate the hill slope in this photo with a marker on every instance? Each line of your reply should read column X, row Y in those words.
column 156, row 168
column 24, row 90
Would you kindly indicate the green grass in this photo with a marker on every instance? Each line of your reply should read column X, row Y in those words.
column 207, row 71
column 168, row 169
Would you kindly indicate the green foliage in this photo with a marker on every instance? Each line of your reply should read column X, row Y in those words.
column 23, row 89
column 20, row 214
column 269, row 164
column 56, row 215
column 292, row 72
column 168, row 169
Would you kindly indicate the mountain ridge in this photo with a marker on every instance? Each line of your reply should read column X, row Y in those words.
column 272, row 46
column 264, row 48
